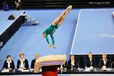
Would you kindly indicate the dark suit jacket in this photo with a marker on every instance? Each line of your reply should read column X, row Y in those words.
column 101, row 64
column 11, row 65
column 32, row 63
column 25, row 63
column 92, row 63
column 64, row 66
column 69, row 65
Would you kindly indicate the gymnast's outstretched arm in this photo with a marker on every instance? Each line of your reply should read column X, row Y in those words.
column 60, row 19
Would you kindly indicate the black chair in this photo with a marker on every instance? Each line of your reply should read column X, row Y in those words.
column 112, row 64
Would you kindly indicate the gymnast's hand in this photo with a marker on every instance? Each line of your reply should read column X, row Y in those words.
column 54, row 46
column 49, row 45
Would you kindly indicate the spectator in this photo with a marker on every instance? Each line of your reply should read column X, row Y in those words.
column 22, row 63
column 18, row 4
column 9, row 64
column 104, row 62
column 5, row 5
column 90, row 62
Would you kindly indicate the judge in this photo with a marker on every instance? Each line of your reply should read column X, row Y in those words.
column 9, row 64
column 104, row 62
column 90, row 62
column 34, row 61
column 22, row 63
column 72, row 64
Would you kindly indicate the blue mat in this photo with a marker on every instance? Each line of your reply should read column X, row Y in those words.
column 28, row 39
column 95, row 32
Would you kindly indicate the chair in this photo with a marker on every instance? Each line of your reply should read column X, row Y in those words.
column 112, row 64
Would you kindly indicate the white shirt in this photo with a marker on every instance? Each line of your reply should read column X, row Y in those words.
column 9, row 63
column 72, row 64
column 36, row 60
column 105, row 62
column 22, row 63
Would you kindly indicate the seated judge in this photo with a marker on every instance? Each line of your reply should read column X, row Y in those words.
column 90, row 62
column 104, row 62
column 22, row 63
column 34, row 60
column 72, row 64
column 9, row 64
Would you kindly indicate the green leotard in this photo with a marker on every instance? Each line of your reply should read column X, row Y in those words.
column 50, row 31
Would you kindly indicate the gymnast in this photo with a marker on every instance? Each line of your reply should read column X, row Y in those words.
column 55, row 24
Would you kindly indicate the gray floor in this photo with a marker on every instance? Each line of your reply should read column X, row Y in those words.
column 68, row 75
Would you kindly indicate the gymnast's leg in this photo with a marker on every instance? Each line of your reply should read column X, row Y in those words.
column 60, row 19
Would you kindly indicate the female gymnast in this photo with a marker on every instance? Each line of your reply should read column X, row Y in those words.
column 55, row 24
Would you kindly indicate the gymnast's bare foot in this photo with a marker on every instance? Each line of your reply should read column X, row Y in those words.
column 49, row 45
column 54, row 46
